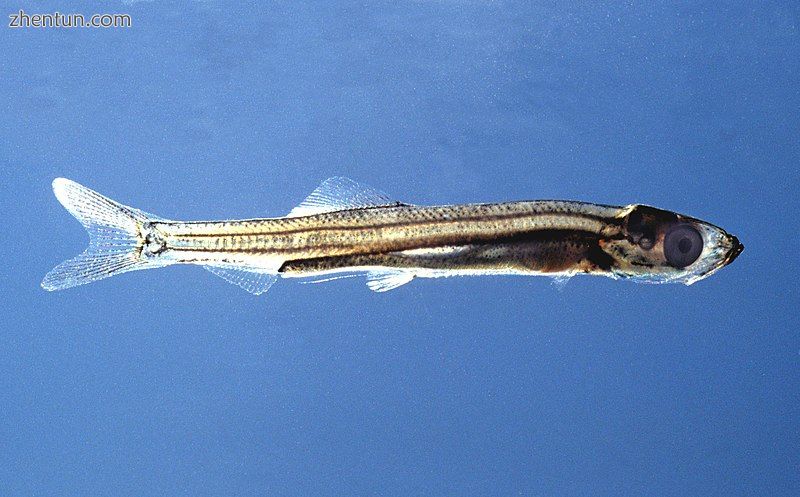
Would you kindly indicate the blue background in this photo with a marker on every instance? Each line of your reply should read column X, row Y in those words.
column 172, row 382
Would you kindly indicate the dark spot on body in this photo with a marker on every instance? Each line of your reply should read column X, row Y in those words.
column 599, row 258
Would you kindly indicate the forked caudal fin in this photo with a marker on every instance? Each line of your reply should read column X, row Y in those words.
column 118, row 237
column 115, row 241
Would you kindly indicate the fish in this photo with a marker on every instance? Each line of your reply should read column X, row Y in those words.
column 344, row 229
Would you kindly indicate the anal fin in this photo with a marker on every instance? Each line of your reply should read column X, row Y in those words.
column 255, row 282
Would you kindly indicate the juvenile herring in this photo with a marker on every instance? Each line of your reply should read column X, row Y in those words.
column 345, row 229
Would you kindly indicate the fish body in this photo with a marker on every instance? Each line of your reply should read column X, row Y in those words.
column 345, row 228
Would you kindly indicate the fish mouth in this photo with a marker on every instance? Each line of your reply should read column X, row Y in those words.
column 736, row 248
column 733, row 252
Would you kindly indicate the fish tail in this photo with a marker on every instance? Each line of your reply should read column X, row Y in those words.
column 115, row 238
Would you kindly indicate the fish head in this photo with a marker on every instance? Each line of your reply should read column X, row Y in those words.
column 659, row 246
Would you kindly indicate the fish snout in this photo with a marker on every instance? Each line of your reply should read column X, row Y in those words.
column 736, row 248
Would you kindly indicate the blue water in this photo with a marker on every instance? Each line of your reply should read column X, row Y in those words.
column 172, row 382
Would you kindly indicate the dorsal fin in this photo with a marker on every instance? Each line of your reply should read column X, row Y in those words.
column 340, row 193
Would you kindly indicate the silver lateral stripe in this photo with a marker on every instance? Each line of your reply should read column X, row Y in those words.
column 347, row 227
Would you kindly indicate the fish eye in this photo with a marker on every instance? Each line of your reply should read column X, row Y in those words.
column 682, row 245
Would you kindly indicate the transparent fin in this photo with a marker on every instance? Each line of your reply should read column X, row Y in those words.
column 560, row 282
column 339, row 193
column 383, row 281
column 255, row 282
column 329, row 278
column 114, row 238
